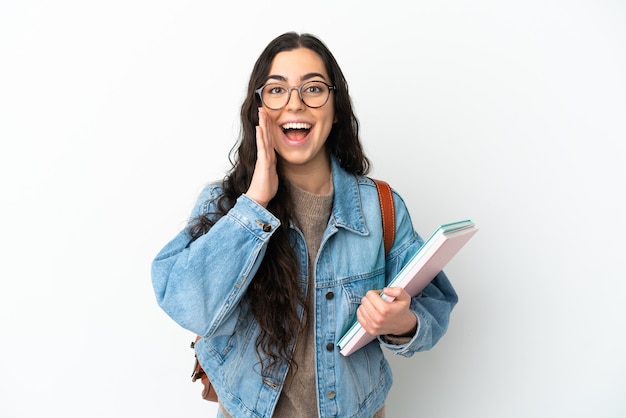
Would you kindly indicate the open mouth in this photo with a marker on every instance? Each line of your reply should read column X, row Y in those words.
column 296, row 131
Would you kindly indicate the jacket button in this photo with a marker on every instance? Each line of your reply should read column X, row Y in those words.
column 265, row 226
column 331, row 394
column 330, row 295
column 330, row 346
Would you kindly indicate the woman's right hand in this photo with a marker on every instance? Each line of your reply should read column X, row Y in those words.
column 264, row 184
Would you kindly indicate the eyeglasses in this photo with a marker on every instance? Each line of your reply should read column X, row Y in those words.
column 314, row 94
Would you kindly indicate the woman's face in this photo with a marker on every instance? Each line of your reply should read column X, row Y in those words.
column 299, row 132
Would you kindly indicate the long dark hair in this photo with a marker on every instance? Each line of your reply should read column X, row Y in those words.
column 275, row 293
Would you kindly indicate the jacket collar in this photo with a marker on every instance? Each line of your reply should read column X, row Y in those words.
column 347, row 209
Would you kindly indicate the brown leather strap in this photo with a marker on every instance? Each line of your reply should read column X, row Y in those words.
column 208, row 391
column 388, row 213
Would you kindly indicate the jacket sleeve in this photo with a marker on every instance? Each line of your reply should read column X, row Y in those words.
column 433, row 305
column 200, row 284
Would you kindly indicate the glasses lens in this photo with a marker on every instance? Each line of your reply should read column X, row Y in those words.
column 275, row 96
column 315, row 93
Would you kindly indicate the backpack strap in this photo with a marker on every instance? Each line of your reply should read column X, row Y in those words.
column 208, row 391
column 388, row 213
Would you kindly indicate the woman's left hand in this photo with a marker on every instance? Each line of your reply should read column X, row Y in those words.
column 379, row 316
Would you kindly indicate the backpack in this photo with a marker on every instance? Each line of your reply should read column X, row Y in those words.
column 387, row 209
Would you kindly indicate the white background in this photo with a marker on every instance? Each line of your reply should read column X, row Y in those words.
column 113, row 115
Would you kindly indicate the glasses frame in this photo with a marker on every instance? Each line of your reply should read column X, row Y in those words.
column 259, row 93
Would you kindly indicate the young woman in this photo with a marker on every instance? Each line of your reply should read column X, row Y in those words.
column 281, row 255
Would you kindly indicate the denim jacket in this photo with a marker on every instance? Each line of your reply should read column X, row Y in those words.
column 200, row 285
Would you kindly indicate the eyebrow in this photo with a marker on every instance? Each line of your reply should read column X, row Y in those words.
column 305, row 77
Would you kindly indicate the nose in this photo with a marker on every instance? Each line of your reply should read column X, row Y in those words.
column 297, row 103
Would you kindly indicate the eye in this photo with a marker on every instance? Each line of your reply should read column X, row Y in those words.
column 275, row 89
column 314, row 88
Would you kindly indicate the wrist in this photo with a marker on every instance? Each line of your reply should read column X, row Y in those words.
column 410, row 329
column 259, row 201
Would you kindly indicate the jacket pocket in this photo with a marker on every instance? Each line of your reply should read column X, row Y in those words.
column 356, row 287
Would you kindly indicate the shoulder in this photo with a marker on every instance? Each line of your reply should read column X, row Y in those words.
column 371, row 195
column 212, row 190
column 371, row 186
column 406, row 235
column 208, row 197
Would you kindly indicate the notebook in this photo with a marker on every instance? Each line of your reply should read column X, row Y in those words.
column 421, row 269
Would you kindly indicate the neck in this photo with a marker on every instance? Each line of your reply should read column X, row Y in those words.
column 315, row 178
